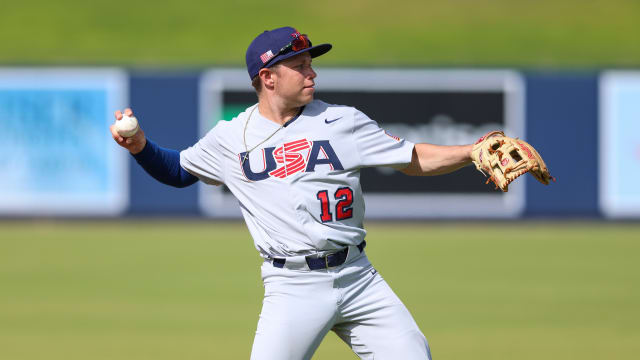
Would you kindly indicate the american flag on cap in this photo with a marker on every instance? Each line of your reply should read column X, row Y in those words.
column 266, row 56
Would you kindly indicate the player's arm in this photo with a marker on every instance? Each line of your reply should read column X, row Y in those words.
column 429, row 159
column 162, row 164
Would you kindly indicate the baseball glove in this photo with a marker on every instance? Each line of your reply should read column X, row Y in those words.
column 504, row 159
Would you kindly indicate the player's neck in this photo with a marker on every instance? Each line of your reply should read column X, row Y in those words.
column 276, row 111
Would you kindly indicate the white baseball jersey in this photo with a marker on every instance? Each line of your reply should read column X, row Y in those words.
column 299, row 187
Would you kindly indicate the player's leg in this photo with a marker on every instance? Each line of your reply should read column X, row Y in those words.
column 374, row 322
column 298, row 310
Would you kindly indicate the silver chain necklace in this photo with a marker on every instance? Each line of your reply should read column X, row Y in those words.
column 244, row 137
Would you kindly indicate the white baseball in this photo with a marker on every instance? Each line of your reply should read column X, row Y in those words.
column 127, row 126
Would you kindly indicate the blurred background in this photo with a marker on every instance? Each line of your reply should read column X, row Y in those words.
column 99, row 261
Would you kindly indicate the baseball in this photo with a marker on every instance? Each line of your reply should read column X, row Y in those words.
column 127, row 126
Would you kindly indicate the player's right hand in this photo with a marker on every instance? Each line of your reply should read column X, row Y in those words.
column 135, row 143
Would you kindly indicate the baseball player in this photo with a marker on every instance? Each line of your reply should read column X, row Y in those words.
column 294, row 165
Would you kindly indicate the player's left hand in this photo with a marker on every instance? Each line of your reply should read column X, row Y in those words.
column 504, row 159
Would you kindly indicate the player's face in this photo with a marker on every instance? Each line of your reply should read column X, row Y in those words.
column 294, row 80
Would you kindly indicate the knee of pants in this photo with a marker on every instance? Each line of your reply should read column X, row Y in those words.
column 411, row 346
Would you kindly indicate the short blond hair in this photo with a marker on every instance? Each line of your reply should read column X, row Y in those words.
column 257, row 84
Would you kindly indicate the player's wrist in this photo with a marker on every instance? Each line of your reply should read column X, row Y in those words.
column 139, row 147
column 468, row 152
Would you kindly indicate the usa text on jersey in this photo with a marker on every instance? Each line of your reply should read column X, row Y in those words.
column 296, row 156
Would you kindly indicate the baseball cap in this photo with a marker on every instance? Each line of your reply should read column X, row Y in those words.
column 278, row 44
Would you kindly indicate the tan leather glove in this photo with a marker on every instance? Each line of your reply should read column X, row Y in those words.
column 504, row 159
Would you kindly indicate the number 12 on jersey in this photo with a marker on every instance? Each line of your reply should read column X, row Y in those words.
column 343, row 210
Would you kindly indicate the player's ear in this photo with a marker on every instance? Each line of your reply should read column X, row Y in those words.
column 266, row 75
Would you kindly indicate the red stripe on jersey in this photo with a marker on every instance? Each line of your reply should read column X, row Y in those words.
column 297, row 148
column 295, row 169
column 281, row 173
column 301, row 141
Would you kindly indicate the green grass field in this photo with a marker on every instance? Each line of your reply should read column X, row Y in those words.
column 170, row 33
column 191, row 290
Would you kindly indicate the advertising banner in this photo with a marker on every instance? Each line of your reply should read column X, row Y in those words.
column 445, row 107
column 619, row 144
column 57, row 157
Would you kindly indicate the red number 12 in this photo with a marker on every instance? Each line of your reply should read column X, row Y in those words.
column 344, row 195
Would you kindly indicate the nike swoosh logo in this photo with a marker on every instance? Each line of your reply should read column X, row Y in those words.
column 327, row 121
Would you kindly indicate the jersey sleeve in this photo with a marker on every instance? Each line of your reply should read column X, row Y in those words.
column 205, row 159
column 376, row 147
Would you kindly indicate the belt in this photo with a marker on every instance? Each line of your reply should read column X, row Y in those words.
column 323, row 262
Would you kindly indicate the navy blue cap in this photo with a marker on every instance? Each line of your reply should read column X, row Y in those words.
column 263, row 49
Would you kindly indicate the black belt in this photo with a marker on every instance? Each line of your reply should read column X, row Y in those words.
column 323, row 262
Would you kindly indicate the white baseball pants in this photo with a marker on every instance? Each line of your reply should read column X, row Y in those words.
column 353, row 300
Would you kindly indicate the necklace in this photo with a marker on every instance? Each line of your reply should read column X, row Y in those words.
column 244, row 137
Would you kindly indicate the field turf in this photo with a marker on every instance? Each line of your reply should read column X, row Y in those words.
column 165, row 289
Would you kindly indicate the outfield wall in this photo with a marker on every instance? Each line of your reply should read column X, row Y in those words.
column 59, row 159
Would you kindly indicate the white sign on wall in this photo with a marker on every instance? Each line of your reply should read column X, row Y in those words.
column 56, row 154
column 619, row 144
